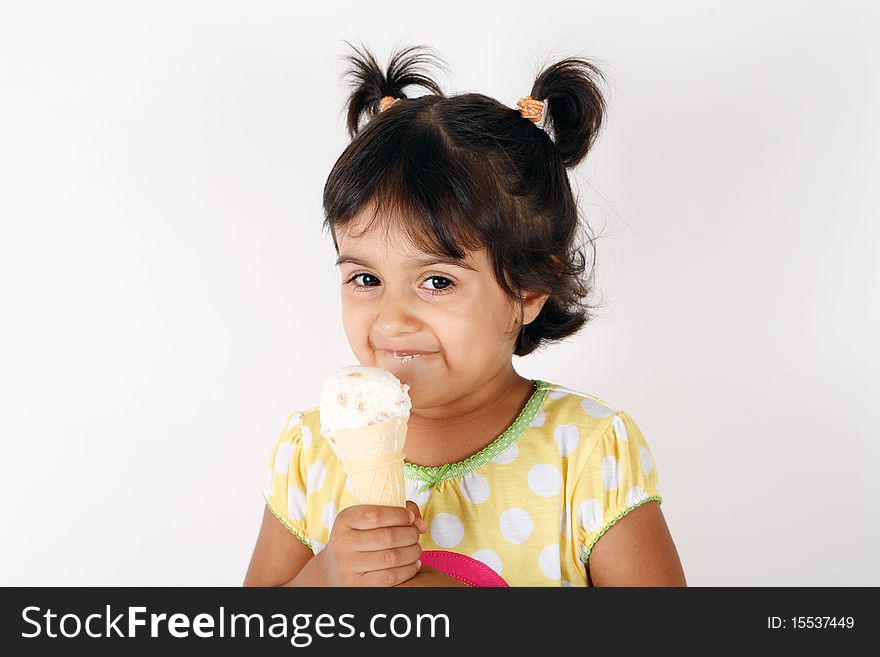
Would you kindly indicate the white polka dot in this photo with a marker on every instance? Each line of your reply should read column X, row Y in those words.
column 561, row 391
column 507, row 456
column 317, row 546
column 315, row 476
column 282, row 458
column 270, row 481
column 565, row 582
column 610, row 472
column 595, row 409
column 474, row 487
column 647, row 460
column 565, row 522
column 447, row 530
column 349, row 486
column 619, row 428
column 328, row 515
column 489, row 558
column 635, row 495
column 295, row 419
column 567, row 438
column 590, row 515
column 539, row 420
column 548, row 561
column 306, row 436
column 412, row 487
column 296, row 503
column 516, row 525
column 544, row 479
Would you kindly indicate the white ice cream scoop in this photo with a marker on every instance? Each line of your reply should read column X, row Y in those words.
column 357, row 396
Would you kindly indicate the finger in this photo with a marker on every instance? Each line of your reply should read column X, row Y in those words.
column 388, row 559
column 419, row 521
column 370, row 516
column 390, row 576
column 384, row 538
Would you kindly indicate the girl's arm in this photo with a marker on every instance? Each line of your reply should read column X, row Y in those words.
column 637, row 550
column 279, row 557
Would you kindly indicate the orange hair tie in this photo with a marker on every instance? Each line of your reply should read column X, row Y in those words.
column 386, row 102
column 531, row 108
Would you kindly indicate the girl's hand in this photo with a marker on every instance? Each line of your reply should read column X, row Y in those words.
column 370, row 545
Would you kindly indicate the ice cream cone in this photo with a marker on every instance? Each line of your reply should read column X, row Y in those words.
column 372, row 456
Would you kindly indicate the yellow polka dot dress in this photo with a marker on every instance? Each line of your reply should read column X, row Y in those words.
column 530, row 505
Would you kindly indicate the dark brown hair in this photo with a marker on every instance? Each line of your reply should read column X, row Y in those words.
column 467, row 172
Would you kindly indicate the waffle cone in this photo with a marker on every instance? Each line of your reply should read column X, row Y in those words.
column 372, row 456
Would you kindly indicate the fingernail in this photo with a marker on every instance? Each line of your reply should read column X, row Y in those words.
column 418, row 563
column 412, row 517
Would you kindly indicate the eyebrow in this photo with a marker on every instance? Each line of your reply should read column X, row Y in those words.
column 417, row 264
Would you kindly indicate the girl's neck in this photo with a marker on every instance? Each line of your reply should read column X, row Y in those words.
column 436, row 440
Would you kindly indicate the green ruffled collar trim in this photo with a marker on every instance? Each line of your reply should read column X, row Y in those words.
column 433, row 475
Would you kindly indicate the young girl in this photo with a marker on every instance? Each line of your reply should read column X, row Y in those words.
column 455, row 229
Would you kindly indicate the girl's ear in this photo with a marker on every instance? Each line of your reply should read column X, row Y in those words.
column 532, row 304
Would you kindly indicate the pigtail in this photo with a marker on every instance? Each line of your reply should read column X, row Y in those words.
column 575, row 108
column 370, row 83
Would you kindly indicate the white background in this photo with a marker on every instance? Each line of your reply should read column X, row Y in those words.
column 168, row 296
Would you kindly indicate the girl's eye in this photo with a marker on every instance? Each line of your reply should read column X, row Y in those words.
column 356, row 276
column 445, row 284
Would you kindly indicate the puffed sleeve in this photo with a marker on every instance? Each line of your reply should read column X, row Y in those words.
column 285, row 491
column 618, row 476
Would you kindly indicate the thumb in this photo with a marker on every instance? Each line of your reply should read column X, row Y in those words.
column 420, row 524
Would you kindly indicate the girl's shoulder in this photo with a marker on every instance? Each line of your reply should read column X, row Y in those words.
column 564, row 406
column 301, row 440
column 310, row 425
column 578, row 425
column 587, row 402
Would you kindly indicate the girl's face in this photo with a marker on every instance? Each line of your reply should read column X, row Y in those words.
column 398, row 298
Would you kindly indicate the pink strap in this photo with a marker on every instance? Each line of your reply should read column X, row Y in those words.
column 462, row 567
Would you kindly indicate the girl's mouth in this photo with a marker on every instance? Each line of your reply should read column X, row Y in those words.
column 405, row 357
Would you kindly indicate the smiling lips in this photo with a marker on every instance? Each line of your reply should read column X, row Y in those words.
column 408, row 355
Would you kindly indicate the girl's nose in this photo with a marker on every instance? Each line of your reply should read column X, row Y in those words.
column 395, row 314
